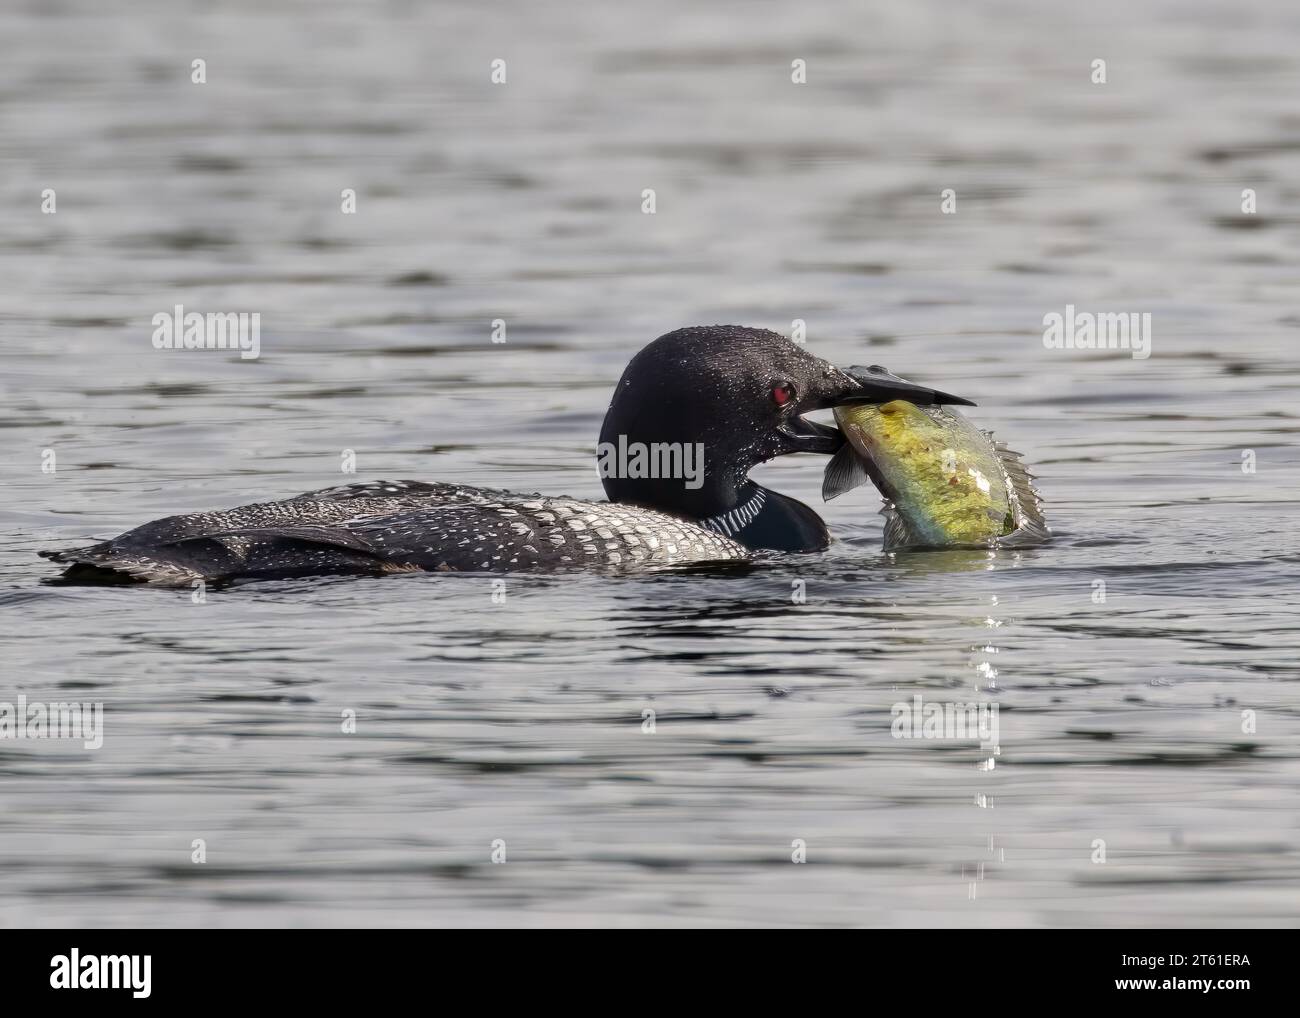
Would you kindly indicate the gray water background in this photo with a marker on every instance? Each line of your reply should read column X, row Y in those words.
column 1120, row 721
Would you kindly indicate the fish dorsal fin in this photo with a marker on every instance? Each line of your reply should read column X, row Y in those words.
column 1026, row 503
column 843, row 473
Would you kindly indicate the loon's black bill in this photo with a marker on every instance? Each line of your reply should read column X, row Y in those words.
column 880, row 386
column 801, row 435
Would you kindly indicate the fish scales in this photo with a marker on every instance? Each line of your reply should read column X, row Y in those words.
column 946, row 483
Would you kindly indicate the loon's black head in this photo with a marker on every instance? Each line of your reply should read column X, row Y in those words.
column 699, row 408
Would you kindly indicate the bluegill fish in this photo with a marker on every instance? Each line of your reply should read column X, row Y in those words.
column 945, row 482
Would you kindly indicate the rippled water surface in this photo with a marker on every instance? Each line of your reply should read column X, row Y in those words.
column 1121, row 720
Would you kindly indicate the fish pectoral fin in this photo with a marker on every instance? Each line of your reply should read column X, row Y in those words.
column 897, row 533
column 843, row 473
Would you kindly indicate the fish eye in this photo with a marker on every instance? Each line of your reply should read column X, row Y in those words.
column 782, row 393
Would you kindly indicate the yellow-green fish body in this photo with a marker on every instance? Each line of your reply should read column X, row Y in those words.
column 945, row 482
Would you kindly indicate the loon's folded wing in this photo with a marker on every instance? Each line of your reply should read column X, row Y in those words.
column 523, row 532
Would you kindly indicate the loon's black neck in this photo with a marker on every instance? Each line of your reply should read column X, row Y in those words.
column 763, row 518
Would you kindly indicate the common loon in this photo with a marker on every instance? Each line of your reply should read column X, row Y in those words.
column 736, row 395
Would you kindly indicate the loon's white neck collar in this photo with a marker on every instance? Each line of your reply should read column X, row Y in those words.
column 734, row 521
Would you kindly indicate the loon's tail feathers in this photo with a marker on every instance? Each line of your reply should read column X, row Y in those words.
column 216, row 557
column 104, row 564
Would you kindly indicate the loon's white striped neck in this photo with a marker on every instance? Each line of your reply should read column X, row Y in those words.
column 735, row 520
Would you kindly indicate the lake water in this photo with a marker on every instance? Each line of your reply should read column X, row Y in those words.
column 1145, row 663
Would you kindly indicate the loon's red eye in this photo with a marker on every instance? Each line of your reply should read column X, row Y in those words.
column 782, row 394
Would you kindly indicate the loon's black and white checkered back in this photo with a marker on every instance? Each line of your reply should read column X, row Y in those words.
column 398, row 526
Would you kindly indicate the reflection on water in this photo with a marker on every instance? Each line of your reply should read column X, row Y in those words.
column 1144, row 662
